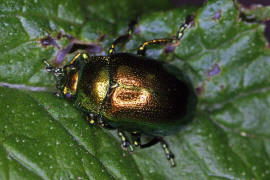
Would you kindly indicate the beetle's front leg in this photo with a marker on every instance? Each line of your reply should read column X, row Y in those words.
column 124, row 141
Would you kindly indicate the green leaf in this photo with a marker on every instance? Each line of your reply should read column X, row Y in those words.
column 227, row 59
column 256, row 12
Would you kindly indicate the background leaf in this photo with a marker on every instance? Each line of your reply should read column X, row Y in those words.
column 44, row 137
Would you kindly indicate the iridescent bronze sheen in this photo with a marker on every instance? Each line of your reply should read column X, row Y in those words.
column 93, row 83
column 148, row 98
column 132, row 92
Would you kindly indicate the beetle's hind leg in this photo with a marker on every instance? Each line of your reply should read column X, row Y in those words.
column 124, row 38
column 137, row 142
column 124, row 141
column 142, row 49
column 168, row 152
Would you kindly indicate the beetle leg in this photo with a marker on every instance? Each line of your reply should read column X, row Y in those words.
column 136, row 139
column 168, row 152
column 91, row 119
column 165, row 147
column 124, row 141
column 97, row 120
column 154, row 141
column 124, row 37
column 103, row 124
column 142, row 49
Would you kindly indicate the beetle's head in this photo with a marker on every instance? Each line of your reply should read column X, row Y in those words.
column 67, row 77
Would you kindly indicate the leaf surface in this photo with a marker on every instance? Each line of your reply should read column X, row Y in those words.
column 227, row 59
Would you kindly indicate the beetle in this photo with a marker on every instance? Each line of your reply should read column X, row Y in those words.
column 130, row 93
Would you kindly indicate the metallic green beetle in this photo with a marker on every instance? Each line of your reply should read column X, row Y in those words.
column 130, row 93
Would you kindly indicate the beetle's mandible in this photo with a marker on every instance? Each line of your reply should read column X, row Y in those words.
column 130, row 93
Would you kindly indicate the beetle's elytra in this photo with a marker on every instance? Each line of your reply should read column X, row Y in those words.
column 130, row 93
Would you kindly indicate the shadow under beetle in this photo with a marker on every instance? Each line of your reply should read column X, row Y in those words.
column 130, row 93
